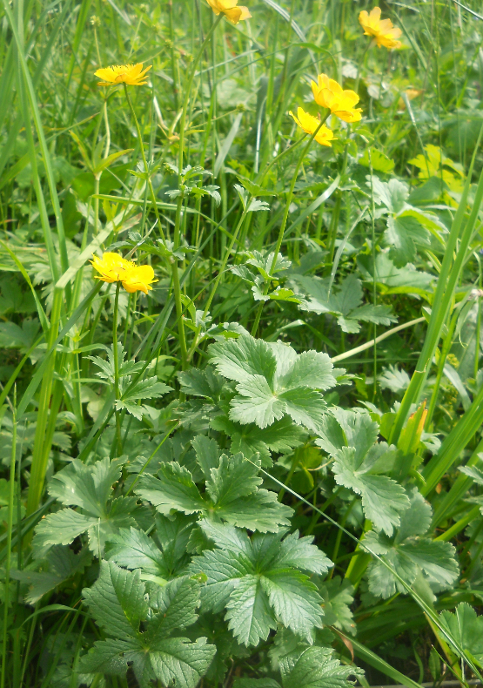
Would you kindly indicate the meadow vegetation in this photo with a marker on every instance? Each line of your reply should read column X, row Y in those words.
column 241, row 394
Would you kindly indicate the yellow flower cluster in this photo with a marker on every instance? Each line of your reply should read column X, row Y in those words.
column 328, row 94
column 114, row 268
column 132, row 75
column 230, row 9
column 383, row 31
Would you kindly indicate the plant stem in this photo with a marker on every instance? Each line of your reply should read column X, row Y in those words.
column 221, row 271
column 145, row 162
column 115, row 351
column 284, row 222
column 9, row 542
column 176, row 285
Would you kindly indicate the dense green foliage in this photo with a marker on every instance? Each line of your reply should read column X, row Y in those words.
column 267, row 472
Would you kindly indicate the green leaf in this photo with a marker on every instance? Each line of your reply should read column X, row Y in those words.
column 60, row 528
column 394, row 280
column 294, row 599
column 256, row 683
column 281, row 437
column 338, row 596
column 207, row 453
column 466, row 628
column 258, row 403
column 177, row 661
column 343, row 302
column 259, row 511
column 173, row 533
column 106, row 162
column 311, row 370
column 135, row 550
column 116, row 601
column 172, row 489
column 273, row 381
column 404, row 234
column 201, row 383
column 223, row 570
column 316, row 667
column 233, row 478
column 357, row 461
column 299, row 552
column 383, row 499
column 392, row 194
column 243, row 358
column 232, row 488
column 246, row 576
column 376, row 159
column 410, row 554
column 248, row 612
column 88, row 487
column 175, row 606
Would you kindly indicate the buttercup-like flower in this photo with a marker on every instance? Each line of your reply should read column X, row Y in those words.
column 382, row 30
column 232, row 12
column 329, row 94
column 132, row 75
column 139, row 278
column 310, row 124
column 114, row 268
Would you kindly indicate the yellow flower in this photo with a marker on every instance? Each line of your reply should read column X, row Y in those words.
column 132, row 75
column 411, row 94
column 310, row 124
column 115, row 268
column 229, row 8
column 112, row 267
column 329, row 94
column 383, row 31
column 139, row 278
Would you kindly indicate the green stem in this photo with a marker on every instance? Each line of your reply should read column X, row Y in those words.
column 284, row 222
column 221, row 271
column 40, row 453
column 145, row 162
column 184, row 112
column 450, row 273
column 9, row 542
column 459, row 525
column 177, row 286
column 447, row 342
column 115, row 351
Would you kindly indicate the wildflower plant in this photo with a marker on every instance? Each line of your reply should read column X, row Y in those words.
column 241, row 395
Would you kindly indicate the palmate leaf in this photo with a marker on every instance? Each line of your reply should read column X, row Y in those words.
column 232, row 491
column 410, row 554
column 343, row 301
column 118, row 603
column 282, row 436
column 306, row 667
column 88, row 487
column 252, row 579
column 338, row 596
column 135, row 550
column 249, row 615
column 316, row 667
column 274, row 381
column 466, row 628
column 351, row 439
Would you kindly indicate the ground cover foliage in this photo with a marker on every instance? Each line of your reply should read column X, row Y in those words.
column 252, row 456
